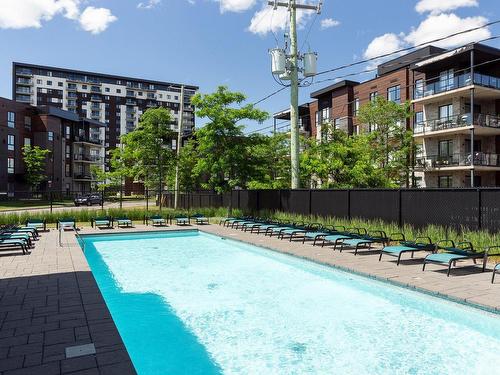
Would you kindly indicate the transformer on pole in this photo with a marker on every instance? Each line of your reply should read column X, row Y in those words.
column 285, row 67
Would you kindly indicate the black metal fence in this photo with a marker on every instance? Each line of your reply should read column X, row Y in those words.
column 456, row 208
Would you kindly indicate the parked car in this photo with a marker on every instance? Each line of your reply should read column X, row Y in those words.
column 88, row 200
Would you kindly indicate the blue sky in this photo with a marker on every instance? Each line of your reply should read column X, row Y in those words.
column 208, row 43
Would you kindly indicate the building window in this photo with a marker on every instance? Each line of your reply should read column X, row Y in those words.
column 67, row 170
column 11, row 119
column 84, row 87
column 10, row 165
column 60, row 84
column 50, row 136
column 373, row 96
column 38, row 81
column 49, row 83
column 10, row 142
column 118, row 91
column 418, row 122
column 419, row 88
column 445, row 181
column 445, row 148
column 394, row 94
column 325, row 115
column 27, row 123
column 446, row 80
column 356, row 107
column 106, row 89
column 68, row 132
column 27, row 142
column 445, row 111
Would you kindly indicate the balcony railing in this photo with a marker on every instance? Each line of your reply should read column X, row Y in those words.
column 457, row 160
column 23, row 90
column 89, row 158
column 457, row 121
column 94, row 140
column 82, row 176
column 456, row 82
column 24, row 81
column 24, row 72
column 72, row 87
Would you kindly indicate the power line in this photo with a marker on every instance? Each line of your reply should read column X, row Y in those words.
column 389, row 54
column 408, row 48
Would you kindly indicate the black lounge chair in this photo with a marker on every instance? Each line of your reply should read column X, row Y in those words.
column 156, row 220
column 200, row 219
column 337, row 238
column 418, row 244
column 365, row 241
column 453, row 253
column 102, row 221
column 38, row 224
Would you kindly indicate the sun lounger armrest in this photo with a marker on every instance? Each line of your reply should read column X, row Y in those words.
column 378, row 234
column 443, row 243
column 489, row 248
column 398, row 236
column 466, row 245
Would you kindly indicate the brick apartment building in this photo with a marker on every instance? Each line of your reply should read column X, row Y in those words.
column 75, row 145
column 116, row 101
column 448, row 130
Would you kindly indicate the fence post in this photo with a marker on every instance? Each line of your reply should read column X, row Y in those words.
column 102, row 198
column 348, row 204
column 400, row 215
column 479, row 209
column 310, row 202
column 147, row 199
column 50, row 198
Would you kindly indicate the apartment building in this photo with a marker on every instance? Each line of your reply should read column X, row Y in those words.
column 455, row 98
column 113, row 100
column 75, row 144
column 457, row 128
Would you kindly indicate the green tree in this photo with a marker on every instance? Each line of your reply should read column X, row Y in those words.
column 272, row 157
column 189, row 180
column 146, row 153
column 34, row 161
column 341, row 161
column 224, row 153
column 391, row 140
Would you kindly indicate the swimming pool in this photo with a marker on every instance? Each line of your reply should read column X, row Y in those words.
column 193, row 303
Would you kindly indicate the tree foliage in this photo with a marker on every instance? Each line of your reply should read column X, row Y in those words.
column 341, row 161
column 146, row 153
column 391, row 141
column 34, row 161
column 224, row 152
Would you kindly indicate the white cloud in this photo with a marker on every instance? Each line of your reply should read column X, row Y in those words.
column 441, row 25
column 149, row 4
column 439, row 6
column 383, row 44
column 96, row 20
column 16, row 14
column 329, row 22
column 21, row 14
column 267, row 20
column 236, row 5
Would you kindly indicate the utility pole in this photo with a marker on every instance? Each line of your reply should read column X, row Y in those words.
column 179, row 142
column 288, row 66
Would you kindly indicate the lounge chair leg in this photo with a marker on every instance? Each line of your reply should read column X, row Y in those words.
column 412, row 254
column 399, row 259
column 355, row 250
column 493, row 277
column 423, row 267
column 449, row 269
column 323, row 243
column 380, row 256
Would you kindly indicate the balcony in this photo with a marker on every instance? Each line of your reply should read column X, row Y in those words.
column 71, row 95
column 441, row 87
column 458, row 161
column 96, row 89
column 93, row 141
column 95, row 98
column 23, row 90
column 461, row 123
column 72, row 87
column 24, row 81
column 83, row 176
column 24, row 72
column 130, row 102
column 87, row 158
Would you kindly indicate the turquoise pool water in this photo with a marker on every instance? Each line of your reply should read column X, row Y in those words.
column 193, row 303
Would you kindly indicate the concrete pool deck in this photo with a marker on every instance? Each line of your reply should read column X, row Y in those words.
column 49, row 300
